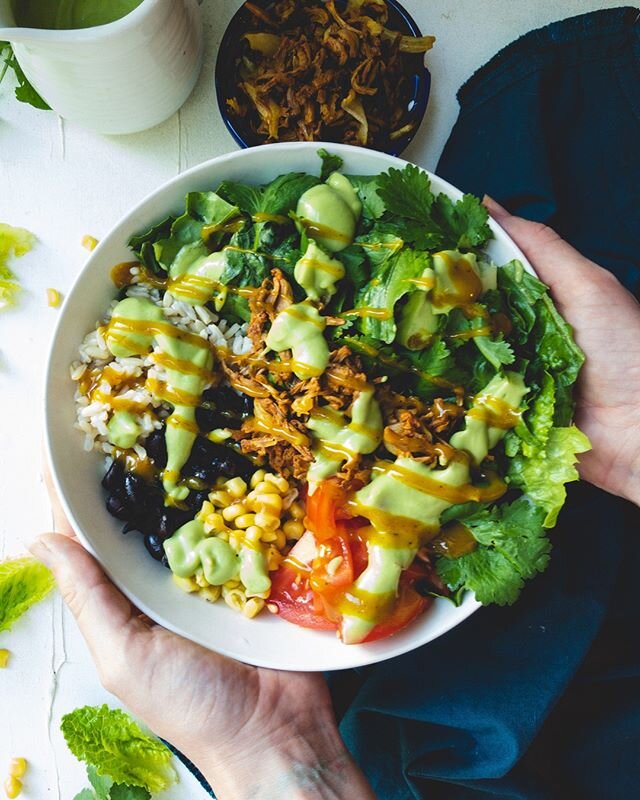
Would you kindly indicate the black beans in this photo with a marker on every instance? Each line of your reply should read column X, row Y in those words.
column 114, row 477
column 222, row 407
column 154, row 545
column 117, row 507
column 209, row 460
column 156, row 448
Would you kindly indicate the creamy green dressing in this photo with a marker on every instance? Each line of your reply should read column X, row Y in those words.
column 300, row 328
column 318, row 273
column 136, row 325
column 479, row 436
column 402, row 513
column 124, row 429
column 190, row 549
column 70, row 14
column 199, row 280
column 330, row 211
column 339, row 440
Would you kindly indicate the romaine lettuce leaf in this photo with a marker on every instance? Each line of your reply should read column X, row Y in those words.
column 23, row 582
column 116, row 746
column 544, row 473
column 390, row 281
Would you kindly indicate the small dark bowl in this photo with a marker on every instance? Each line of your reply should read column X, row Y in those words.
column 399, row 20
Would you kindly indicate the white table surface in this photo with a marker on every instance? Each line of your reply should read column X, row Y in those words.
column 62, row 182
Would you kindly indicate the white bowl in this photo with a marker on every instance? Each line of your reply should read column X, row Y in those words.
column 266, row 641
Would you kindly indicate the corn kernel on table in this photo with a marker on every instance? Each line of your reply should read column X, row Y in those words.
column 62, row 183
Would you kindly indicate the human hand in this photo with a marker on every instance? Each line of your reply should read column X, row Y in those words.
column 254, row 733
column 606, row 321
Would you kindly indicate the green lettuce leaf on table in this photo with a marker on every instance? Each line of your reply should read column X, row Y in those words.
column 23, row 582
column 115, row 745
column 14, row 243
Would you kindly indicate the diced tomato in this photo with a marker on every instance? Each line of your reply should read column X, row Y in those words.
column 325, row 507
column 333, row 565
column 294, row 599
column 408, row 606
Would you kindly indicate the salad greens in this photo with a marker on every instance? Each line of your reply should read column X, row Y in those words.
column 124, row 761
column 23, row 582
column 394, row 309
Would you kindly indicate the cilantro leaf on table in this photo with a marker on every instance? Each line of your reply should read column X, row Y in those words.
column 512, row 547
column 24, row 91
column 23, row 582
column 277, row 198
column 116, row 746
column 330, row 163
column 14, row 243
column 390, row 281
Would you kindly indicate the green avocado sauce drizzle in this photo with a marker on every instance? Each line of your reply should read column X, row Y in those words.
column 135, row 327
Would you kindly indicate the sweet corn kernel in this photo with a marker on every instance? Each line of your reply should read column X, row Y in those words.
column 265, row 487
column 12, row 787
column 281, row 540
column 253, row 533
column 220, row 498
column 224, row 535
column 272, row 607
column 293, row 529
column 256, row 478
column 274, row 559
column 269, row 522
column 269, row 536
column 235, row 539
column 235, row 598
column 272, row 503
column 234, row 510
column 211, row 594
column 17, row 767
column 233, row 583
column 207, row 508
column 246, row 520
column 207, row 527
column 216, row 521
column 281, row 484
column 236, row 487
column 4, row 658
column 296, row 511
column 253, row 607
column 54, row 298
column 199, row 578
column 288, row 498
column 89, row 242
column 186, row 584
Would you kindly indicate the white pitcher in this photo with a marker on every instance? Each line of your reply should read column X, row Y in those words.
column 122, row 77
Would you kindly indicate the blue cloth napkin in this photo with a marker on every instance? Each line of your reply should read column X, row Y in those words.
column 541, row 700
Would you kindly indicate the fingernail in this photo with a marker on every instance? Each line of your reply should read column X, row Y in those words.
column 494, row 208
column 40, row 549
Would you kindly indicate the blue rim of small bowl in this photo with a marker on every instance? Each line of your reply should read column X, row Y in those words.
column 420, row 79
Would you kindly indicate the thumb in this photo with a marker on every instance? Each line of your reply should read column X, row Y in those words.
column 105, row 617
column 570, row 275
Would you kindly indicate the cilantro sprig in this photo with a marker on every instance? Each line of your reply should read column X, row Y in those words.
column 24, row 91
